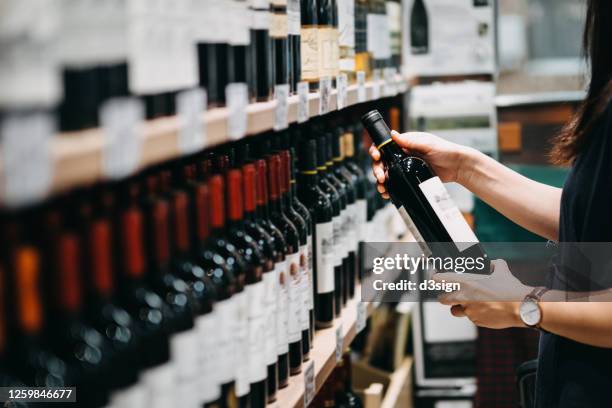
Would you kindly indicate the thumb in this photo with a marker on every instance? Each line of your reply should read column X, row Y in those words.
column 419, row 142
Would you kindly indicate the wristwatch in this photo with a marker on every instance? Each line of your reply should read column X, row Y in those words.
column 529, row 310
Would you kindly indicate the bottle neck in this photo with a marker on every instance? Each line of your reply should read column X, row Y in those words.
column 391, row 152
column 308, row 178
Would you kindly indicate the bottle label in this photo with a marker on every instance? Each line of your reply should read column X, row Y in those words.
column 282, row 308
column 270, row 280
column 305, row 288
column 309, row 40
column 344, row 237
column 184, row 349
column 256, row 332
column 324, row 241
column 337, row 234
column 260, row 19
column 278, row 25
column 346, row 23
column 210, row 355
column 295, row 297
column 310, row 267
column 394, row 15
column 160, row 383
column 241, row 334
column 240, row 23
column 379, row 39
column 448, row 213
column 293, row 17
column 326, row 51
column 227, row 311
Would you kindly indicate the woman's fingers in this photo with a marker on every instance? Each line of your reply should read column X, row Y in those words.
column 419, row 142
column 457, row 310
column 374, row 153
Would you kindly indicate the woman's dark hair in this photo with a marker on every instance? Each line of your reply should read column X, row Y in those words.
column 597, row 40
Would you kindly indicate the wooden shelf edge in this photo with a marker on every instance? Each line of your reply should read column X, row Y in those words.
column 323, row 354
column 77, row 157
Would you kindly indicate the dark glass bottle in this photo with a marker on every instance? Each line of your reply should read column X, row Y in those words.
column 322, row 213
column 421, row 198
column 345, row 396
column 330, row 191
column 419, row 28
column 292, row 275
column 295, row 49
column 240, row 41
column 281, row 300
column 262, row 56
column 340, row 187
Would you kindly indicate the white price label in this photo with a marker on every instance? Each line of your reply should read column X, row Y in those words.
column 303, row 113
column 24, row 144
column 361, row 88
column 120, row 119
column 325, row 86
column 237, row 100
column 190, row 105
column 339, row 342
column 281, row 95
column 309, row 384
column 376, row 84
column 341, row 86
column 390, row 84
column 362, row 316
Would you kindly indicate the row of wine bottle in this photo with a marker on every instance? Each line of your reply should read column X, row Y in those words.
column 199, row 283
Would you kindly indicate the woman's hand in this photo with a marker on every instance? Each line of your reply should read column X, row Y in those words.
column 447, row 159
column 487, row 300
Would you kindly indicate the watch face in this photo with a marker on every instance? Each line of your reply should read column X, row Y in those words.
column 530, row 312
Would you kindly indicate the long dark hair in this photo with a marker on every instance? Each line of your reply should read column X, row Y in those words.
column 597, row 43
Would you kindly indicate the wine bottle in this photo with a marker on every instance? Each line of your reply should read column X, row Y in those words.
column 422, row 200
column 240, row 40
column 295, row 52
column 362, row 55
column 267, row 65
column 334, row 40
column 419, row 28
column 346, row 39
column 345, row 395
column 340, row 187
column 277, row 330
column 292, row 275
column 325, row 37
column 394, row 16
column 322, row 215
column 309, row 42
column 378, row 34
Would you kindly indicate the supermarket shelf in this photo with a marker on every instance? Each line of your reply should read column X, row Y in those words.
column 323, row 354
column 76, row 157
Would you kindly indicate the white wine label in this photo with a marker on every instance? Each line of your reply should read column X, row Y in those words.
column 120, row 118
column 241, row 332
column 237, row 98
column 282, row 308
column 256, row 331
column 338, row 252
column 306, row 289
column 278, row 25
column 160, row 383
column 344, row 215
column 241, row 22
column 379, row 39
column 309, row 50
column 310, row 388
column 326, row 51
column 346, row 23
column 281, row 96
column 325, row 88
column 341, row 85
column 324, row 240
column 190, row 106
column 270, row 280
column 210, row 357
column 184, row 350
column 361, row 89
column 303, row 111
column 310, row 266
column 25, row 153
column 295, row 297
column 339, row 342
column 293, row 17
column 263, row 20
column 227, row 310
column 448, row 213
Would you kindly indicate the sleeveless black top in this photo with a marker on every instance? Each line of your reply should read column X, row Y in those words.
column 572, row 374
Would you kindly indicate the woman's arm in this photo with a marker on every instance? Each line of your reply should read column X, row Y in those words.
column 532, row 205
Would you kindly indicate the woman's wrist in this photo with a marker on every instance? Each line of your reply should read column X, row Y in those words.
column 470, row 161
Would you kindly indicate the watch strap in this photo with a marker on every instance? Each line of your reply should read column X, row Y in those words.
column 536, row 295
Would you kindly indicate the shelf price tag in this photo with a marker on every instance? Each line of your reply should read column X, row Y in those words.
column 339, row 343
column 309, row 384
column 376, row 84
column 237, row 100
column 390, row 87
column 361, row 88
column 190, row 105
column 120, row 119
column 303, row 113
column 325, row 86
column 362, row 316
column 24, row 146
column 281, row 95
column 341, row 85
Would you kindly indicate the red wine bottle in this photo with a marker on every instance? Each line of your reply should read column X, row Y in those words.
column 291, row 273
column 421, row 198
column 264, row 38
column 277, row 329
column 322, row 214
